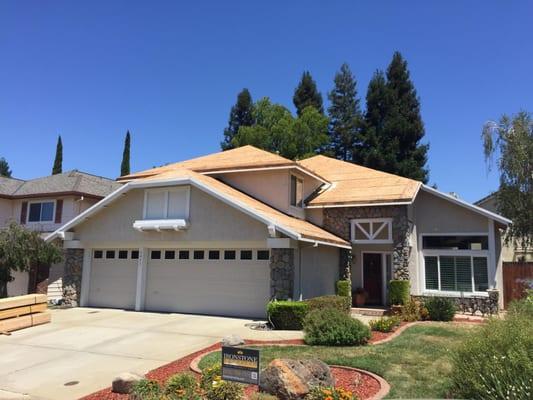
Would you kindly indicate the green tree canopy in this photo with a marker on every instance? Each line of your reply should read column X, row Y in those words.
column 20, row 249
column 306, row 94
column 125, row 165
column 345, row 117
column 58, row 160
column 241, row 115
column 4, row 168
column 511, row 139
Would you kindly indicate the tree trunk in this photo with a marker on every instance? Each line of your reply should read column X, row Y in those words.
column 3, row 289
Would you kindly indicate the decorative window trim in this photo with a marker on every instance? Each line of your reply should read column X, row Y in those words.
column 382, row 223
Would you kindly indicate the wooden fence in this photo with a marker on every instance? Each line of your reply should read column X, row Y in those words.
column 517, row 277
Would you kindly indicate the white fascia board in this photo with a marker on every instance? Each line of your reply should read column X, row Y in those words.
column 321, row 242
column 397, row 203
column 467, row 205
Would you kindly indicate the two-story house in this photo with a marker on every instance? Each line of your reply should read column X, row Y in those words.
column 44, row 205
column 225, row 233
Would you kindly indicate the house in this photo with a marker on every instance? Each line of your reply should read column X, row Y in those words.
column 44, row 205
column 509, row 252
column 224, row 233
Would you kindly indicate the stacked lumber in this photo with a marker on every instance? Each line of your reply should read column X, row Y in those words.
column 23, row 311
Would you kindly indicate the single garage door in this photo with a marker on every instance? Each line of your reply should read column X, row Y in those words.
column 113, row 278
column 219, row 282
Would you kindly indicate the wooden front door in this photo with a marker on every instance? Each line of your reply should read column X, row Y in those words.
column 373, row 278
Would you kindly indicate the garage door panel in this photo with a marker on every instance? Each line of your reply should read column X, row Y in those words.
column 113, row 283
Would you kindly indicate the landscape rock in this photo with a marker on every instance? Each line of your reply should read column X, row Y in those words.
column 293, row 379
column 124, row 382
column 232, row 340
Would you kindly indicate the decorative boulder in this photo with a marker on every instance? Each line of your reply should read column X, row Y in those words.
column 232, row 340
column 293, row 379
column 124, row 382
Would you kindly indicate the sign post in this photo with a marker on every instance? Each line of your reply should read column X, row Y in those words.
column 240, row 365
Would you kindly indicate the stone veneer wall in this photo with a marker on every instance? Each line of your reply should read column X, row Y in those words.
column 337, row 221
column 281, row 273
column 72, row 276
column 472, row 305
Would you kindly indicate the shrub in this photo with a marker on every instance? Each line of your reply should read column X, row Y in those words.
column 262, row 396
column 331, row 327
column 344, row 288
column 384, row 324
column 495, row 362
column 440, row 308
column 145, row 389
column 399, row 292
column 223, row 390
column 411, row 311
column 329, row 393
column 287, row 315
column 182, row 387
column 340, row 303
column 210, row 375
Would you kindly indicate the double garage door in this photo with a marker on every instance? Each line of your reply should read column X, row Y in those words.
column 234, row 282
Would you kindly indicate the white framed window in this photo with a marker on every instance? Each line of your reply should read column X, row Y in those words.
column 371, row 230
column 297, row 192
column 167, row 203
column 42, row 211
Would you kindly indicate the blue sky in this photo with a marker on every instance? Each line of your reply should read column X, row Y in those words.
column 169, row 72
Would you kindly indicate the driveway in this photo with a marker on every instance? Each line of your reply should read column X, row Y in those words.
column 84, row 348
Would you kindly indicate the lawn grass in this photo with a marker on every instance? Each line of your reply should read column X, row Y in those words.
column 416, row 364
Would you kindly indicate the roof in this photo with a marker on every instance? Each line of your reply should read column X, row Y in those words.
column 486, row 198
column 70, row 182
column 352, row 184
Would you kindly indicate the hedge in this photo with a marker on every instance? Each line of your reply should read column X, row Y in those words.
column 287, row 315
column 399, row 292
column 344, row 288
column 341, row 303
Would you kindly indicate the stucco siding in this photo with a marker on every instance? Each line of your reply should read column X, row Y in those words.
column 317, row 271
column 6, row 211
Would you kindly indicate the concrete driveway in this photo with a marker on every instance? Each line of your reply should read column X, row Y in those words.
column 84, row 348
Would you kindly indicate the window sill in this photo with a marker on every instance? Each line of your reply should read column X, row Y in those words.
column 159, row 225
column 454, row 294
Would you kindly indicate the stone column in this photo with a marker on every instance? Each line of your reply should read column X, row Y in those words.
column 401, row 230
column 72, row 276
column 281, row 273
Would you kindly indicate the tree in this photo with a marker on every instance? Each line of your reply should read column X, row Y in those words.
column 58, row 161
column 241, row 115
column 4, row 168
column 306, row 94
column 345, row 115
column 511, row 139
column 20, row 249
column 125, row 165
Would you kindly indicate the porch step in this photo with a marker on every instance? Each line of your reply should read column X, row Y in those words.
column 369, row 311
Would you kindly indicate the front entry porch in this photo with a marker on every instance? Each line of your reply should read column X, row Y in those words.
column 372, row 271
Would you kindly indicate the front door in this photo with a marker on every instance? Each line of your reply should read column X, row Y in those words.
column 373, row 277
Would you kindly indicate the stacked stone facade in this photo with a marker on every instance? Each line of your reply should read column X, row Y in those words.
column 281, row 273
column 475, row 305
column 72, row 276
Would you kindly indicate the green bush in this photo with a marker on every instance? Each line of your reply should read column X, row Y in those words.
column 210, row 375
column 223, row 390
column 496, row 362
column 331, row 327
column 340, row 303
column 182, row 387
column 384, row 324
column 145, row 389
column 399, row 292
column 440, row 308
column 344, row 288
column 412, row 311
column 287, row 315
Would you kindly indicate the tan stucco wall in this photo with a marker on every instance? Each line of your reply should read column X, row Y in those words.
column 6, row 211
column 315, row 216
column 210, row 219
column 317, row 272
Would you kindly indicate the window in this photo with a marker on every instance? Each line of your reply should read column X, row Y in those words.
column 167, row 203
column 263, row 255
column 183, row 254
column 246, row 254
column 156, row 255
column 98, row 254
column 198, row 254
column 41, row 212
column 297, row 191
column 123, row 254
column 455, row 242
column 170, row 254
column 110, row 254
column 375, row 230
column 135, row 254
column 214, row 254
column 230, row 254
column 450, row 273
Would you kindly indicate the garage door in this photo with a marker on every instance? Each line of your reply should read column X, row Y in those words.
column 218, row 282
column 113, row 278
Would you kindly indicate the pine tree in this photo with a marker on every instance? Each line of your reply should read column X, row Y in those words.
column 125, row 165
column 345, row 116
column 306, row 94
column 241, row 115
column 58, row 161
column 4, row 168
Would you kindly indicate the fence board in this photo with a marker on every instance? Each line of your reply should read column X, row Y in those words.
column 517, row 277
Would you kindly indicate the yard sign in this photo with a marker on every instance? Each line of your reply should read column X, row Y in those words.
column 240, row 365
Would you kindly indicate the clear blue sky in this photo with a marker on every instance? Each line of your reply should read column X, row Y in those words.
column 169, row 72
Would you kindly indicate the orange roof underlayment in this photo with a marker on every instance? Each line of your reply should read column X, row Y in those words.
column 304, row 228
column 354, row 184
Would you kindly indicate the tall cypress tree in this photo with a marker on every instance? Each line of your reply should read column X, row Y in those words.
column 344, row 115
column 125, row 165
column 306, row 94
column 241, row 115
column 4, row 168
column 58, row 161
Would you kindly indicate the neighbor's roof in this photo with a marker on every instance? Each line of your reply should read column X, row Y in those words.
column 354, row 184
column 71, row 182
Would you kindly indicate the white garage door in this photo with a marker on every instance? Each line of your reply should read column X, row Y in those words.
column 113, row 278
column 218, row 282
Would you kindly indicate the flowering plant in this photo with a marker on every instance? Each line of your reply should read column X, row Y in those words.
column 330, row 393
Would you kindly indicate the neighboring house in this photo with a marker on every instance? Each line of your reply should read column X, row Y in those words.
column 44, row 205
column 509, row 252
column 225, row 233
